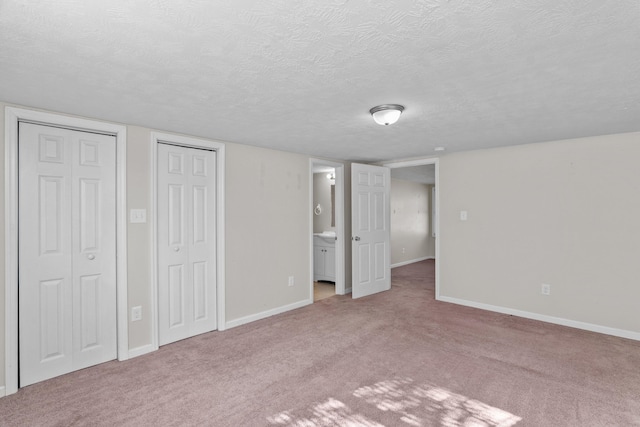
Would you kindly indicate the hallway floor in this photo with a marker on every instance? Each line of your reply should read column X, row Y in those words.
column 322, row 290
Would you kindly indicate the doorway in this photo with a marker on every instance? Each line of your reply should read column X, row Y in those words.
column 89, row 284
column 423, row 172
column 412, row 231
column 327, row 229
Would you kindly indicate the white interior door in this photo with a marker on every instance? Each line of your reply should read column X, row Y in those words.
column 370, row 225
column 67, row 251
column 186, row 242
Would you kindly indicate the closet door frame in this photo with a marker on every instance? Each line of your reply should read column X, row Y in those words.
column 219, row 148
column 13, row 116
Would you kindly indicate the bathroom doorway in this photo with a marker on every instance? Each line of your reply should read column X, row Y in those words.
column 327, row 236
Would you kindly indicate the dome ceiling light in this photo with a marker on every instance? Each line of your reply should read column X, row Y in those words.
column 386, row 114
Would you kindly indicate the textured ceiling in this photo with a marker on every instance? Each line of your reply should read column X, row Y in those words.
column 301, row 75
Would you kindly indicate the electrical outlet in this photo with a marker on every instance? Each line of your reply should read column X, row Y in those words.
column 546, row 289
column 136, row 313
column 463, row 215
column 403, row 251
column 291, row 281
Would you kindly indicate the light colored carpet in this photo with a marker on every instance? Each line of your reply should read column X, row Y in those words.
column 399, row 358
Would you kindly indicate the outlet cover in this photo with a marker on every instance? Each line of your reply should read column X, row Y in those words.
column 291, row 281
column 136, row 313
column 137, row 216
column 546, row 289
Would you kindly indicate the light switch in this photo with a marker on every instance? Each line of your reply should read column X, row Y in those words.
column 463, row 215
column 137, row 216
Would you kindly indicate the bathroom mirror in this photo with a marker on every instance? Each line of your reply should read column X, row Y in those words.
column 324, row 195
column 333, row 205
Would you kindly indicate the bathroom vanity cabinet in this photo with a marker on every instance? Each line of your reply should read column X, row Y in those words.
column 324, row 258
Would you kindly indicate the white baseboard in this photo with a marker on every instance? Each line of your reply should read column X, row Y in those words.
column 411, row 261
column 544, row 318
column 139, row 351
column 258, row 316
column 2, row 391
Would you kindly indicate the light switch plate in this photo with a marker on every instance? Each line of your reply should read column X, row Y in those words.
column 463, row 215
column 137, row 216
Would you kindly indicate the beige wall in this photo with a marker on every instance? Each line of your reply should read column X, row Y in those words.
column 267, row 232
column 267, row 229
column 565, row 213
column 322, row 196
column 347, row 228
column 2, row 251
column 410, row 221
column 139, row 235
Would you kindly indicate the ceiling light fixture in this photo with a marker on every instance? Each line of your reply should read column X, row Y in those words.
column 386, row 114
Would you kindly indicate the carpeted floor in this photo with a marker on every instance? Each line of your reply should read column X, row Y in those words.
column 399, row 358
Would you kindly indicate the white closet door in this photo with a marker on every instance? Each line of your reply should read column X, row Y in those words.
column 186, row 242
column 67, row 251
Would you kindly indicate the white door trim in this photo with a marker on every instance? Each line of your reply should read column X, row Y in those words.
column 419, row 162
column 219, row 148
column 12, row 116
column 339, row 212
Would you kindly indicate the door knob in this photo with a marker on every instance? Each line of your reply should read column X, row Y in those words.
column 91, row 257
column 356, row 238
column 177, row 249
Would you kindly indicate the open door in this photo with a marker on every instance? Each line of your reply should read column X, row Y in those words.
column 370, row 227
